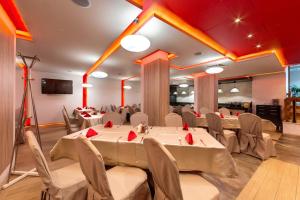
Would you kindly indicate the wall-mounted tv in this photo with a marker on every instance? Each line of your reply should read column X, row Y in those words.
column 56, row 86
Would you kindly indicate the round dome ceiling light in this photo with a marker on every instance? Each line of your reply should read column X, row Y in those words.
column 135, row 43
column 127, row 87
column 220, row 91
column 192, row 92
column 183, row 92
column 214, row 70
column 99, row 74
column 183, row 85
column 175, row 93
column 83, row 3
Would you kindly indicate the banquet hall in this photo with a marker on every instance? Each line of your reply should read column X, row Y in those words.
column 149, row 99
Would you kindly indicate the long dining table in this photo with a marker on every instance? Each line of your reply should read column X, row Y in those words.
column 93, row 120
column 205, row 155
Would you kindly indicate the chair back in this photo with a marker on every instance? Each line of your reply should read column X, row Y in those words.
column 39, row 159
column 66, row 111
column 186, row 108
column 190, row 118
column 173, row 120
column 93, row 168
column 124, row 114
column 214, row 124
column 114, row 117
column 67, row 121
column 164, row 170
column 130, row 110
column 251, row 124
column 138, row 118
column 224, row 111
column 204, row 110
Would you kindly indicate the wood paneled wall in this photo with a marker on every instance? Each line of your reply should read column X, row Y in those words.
column 206, row 88
column 7, row 89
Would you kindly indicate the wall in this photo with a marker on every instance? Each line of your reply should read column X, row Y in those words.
column 245, row 94
column 104, row 92
column 268, row 87
column 7, row 87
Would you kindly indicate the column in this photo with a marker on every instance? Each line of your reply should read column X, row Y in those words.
column 155, row 87
column 206, row 92
column 84, row 91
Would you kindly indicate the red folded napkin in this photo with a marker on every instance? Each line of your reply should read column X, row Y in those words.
column 189, row 138
column 197, row 114
column 87, row 115
column 221, row 115
column 102, row 112
column 78, row 108
column 185, row 126
column 90, row 133
column 84, row 113
column 108, row 124
column 237, row 114
column 131, row 136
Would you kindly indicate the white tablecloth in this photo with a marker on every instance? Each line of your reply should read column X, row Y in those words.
column 206, row 154
column 78, row 112
column 87, row 122
column 232, row 122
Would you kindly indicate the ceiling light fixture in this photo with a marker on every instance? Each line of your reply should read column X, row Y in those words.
column 258, row 46
column 183, row 92
column 135, row 43
column 250, row 35
column 127, row 87
column 192, row 92
column 237, row 20
column 83, row 3
column 220, row 91
column 214, row 70
column 234, row 89
column 183, row 85
column 175, row 93
column 99, row 74
column 87, row 85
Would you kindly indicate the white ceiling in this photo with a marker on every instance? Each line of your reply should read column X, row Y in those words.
column 69, row 39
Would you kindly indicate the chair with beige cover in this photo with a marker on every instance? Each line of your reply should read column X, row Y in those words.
column 67, row 183
column 138, row 118
column 186, row 108
column 71, row 119
column 69, row 127
column 226, row 137
column 224, row 111
column 190, row 118
column 169, row 184
column 173, row 120
column 117, row 183
column 252, row 140
column 114, row 117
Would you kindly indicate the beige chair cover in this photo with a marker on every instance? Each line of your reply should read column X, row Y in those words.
column 115, row 117
column 186, row 108
column 66, row 183
column 204, row 110
column 173, row 120
column 190, row 118
column 224, row 111
column 169, row 184
column 123, row 115
column 252, row 140
column 116, row 183
column 227, row 138
column 69, row 127
column 138, row 118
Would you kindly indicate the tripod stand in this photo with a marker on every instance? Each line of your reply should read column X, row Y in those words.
column 19, row 135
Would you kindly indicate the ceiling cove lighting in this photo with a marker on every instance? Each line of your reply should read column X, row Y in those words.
column 127, row 87
column 183, row 85
column 234, row 89
column 87, row 85
column 214, row 70
column 99, row 74
column 135, row 43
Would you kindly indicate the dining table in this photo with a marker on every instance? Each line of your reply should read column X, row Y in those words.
column 89, row 121
column 206, row 154
column 232, row 122
column 78, row 111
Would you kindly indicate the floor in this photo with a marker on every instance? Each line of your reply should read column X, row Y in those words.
column 288, row 149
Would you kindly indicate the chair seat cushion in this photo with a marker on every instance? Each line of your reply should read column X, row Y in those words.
column 124, row 181
column 196, row 187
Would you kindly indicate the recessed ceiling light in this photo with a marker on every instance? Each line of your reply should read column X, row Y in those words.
column 237, row 20
column 183, row 85
column 183, row 92
column 214, row 70
column 258, row 46
column 87, row 85
column 250, row 35
column 83, row 3
column 135, row 43
column 99, row 74
column 127, row 87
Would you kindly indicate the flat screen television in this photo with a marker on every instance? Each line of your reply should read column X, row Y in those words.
column 56, row 86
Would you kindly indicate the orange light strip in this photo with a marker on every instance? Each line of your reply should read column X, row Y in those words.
column 23, row 35
column 254, row 55
column 143, row 17
column 280, row 57
column 170, row 56
column 198, row 65
column 137, row 3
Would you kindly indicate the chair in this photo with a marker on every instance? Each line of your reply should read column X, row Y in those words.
column 169, row 184
column 204, row 110
column 252, row 140
column 190, row 118
column 67, row 183
column 69, row 127
column 138, row 118
column 226, row 137
column 186, row 108
column 114, row 117
column 73, row 121
column 224, row 111
column 117, row 183
column 173, row 120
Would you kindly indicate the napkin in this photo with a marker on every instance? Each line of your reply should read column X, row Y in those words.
column 185, row 126
column 91, row 132
column 131, row 136
column 84, row 113
column 189, row 138
column 78, row 108
column 102, row 112
column 221, row 115
column 237, row 114
column 197, row 114
column 108, row 124
column 87, row 115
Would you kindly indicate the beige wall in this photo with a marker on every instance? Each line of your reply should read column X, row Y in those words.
column 7, row 87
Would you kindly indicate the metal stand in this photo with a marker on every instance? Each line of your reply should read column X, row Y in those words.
column 19, row 135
